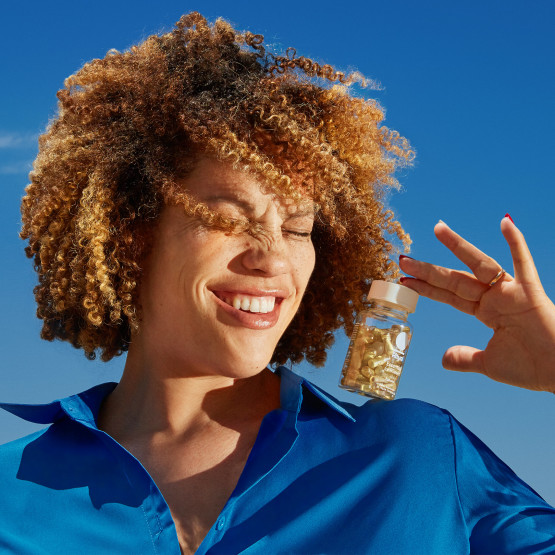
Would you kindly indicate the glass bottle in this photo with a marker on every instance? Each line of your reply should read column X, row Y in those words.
column 380, row 341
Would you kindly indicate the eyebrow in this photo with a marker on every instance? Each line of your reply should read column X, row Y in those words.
column 249, row 208
column 246, row 206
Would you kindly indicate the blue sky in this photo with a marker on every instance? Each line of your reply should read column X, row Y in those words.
column 471, row 84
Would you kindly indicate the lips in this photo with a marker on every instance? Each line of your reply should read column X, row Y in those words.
column 253, row 309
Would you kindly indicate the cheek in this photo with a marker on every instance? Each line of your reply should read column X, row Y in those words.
column 304, row 265
column 169, row 275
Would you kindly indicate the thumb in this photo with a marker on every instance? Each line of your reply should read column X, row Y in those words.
column 463, row 359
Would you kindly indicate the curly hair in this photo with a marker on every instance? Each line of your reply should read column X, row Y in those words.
column 130, row 125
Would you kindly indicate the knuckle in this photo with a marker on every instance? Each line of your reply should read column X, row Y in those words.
column 483, row 268
column 427, row 271
column 444, row 274
column 453, row 283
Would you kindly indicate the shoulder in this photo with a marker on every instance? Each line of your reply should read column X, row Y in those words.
column 403, row 415
column 399, row 417
column 35, row 462
column 18, row 491
column 406, row 429
column 409, row 414
column 12, row 452
column 407, row 425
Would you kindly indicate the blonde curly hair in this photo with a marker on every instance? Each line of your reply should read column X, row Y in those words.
column 132, row 124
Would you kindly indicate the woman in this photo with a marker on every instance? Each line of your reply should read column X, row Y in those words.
column 210, row 209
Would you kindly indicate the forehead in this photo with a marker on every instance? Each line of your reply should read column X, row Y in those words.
column 212, row 180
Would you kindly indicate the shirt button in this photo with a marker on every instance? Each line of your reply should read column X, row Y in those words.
column 220, row 524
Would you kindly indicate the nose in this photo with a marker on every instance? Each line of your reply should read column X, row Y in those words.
column 267, row 254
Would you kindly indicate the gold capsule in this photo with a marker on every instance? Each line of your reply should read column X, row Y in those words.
column 365, row 331
column 366, row 371
column 388, row 345
column 377, row 348
column 378, row 370
column 378, row 361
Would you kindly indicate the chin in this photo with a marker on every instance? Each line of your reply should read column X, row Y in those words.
column 249, row 345
column 245, row 367
column 244, row 363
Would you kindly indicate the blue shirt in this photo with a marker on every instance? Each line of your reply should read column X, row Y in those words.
column 323, row 477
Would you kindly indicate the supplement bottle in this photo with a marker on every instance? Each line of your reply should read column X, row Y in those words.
column 379, row 342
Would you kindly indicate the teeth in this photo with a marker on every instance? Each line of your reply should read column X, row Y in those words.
column 261, row 305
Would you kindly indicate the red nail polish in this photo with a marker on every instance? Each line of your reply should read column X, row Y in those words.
column 401, row 256
column 509, row 216
column 403, row 279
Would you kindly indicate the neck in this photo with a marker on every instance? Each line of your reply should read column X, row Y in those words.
column 149, row 401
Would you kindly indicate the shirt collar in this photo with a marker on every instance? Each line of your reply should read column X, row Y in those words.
column 84, row 406
column 291, row 393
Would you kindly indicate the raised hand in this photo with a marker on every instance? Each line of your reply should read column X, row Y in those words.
column 522, row 317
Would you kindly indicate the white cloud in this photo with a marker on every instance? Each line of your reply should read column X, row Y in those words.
column 17, row 140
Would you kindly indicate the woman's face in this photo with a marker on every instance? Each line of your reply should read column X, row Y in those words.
column 216, row 303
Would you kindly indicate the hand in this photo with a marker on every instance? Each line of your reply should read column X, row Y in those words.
column 522, row 317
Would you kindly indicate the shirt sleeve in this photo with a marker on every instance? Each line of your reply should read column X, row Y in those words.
column 503, row 514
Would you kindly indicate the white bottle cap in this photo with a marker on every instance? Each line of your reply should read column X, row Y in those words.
column 393, row 293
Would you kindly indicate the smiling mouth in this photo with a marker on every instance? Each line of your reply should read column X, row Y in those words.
column 249, row 303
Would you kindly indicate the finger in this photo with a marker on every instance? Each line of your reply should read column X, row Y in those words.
column 438, row 294
column 484, row 267
column 462, row 284
column 523, row 263
column 463, row 359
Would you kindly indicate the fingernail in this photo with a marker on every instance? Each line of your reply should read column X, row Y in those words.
column 401, row 256
column 509, row 216
column 403, row 279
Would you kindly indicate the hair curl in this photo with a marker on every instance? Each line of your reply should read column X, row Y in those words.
column 131, row 124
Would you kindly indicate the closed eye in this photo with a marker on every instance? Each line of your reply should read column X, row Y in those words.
column 298, row 233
